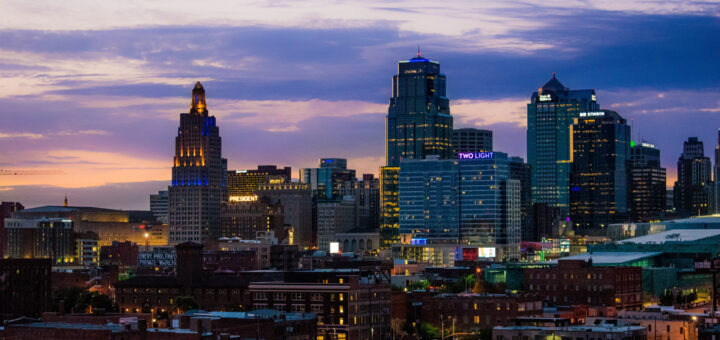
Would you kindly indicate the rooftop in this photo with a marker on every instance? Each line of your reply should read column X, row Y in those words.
column 608, row 258
column 675, row 235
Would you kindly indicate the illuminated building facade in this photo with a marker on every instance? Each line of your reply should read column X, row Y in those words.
column 389, row 205
column 550, row 113
column 472, row 140
column 349, row 303
column 470, row 200
column 246, row 219
column 46, row 238
column 647, row 184
column 88, row 251
column 716, row 178
column 692, row 188
column 196, row 192
column 334, row 216
column 297, row 202
column 327, row 181
column 367, row 201
column 418, row 122
column 599, row 175
column 159, row 206
column 520, row 171
column 247, row 182
column 6, row 211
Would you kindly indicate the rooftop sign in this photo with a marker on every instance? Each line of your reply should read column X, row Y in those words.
column 592, row 114
column 475, row 155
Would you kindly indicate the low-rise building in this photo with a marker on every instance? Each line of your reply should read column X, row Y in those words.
column 25, row 288
column 471, row 313
column 605, row 331
column 266, row 324
column 349, row 304
column 574, row 282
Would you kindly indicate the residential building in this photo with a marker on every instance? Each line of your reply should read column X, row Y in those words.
column 471, row 312
column 6, row 211
column 574, row 282
column 349, row 304
column 46, row 238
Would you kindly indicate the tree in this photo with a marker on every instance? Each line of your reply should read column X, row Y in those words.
column 427, row 331
column 186, row 303
column 77, row 300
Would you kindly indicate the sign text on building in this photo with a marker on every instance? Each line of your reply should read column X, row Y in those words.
column 475, row 155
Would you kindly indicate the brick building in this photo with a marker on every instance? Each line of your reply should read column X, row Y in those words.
column 121, row 253
column 349, row 304
column 471, row 312
column 25, row 288
column 265, row 324
column 216, row 291
column 574, row 282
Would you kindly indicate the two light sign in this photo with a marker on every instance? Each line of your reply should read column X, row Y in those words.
column 475, row 155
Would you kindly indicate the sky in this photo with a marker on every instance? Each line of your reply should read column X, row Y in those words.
column 92, row 91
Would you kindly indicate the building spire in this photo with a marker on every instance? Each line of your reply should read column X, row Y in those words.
column 418, row 51
column 553, row 74
column 66, row 200
column 197, row 104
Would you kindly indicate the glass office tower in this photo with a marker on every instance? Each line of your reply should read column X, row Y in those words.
column 599, row 176
column 550, row 113
column 418, row 124
column 472, row 201
column 418, row 121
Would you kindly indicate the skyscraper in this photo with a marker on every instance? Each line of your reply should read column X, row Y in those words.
column 471, row 201
column 716, row 179
column 598, row 179
column 520, row 171
column 326, row 181
column 418, row 121
column 692, row 188
column 647, row 184
column 159, row 206
column 418, row 124
column 551, row 111
column 196, row 192
column 472, row 140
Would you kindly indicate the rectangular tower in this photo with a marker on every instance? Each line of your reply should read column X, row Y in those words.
column 550, row 113
column 692, row 188
column 195, row 196
column 598, row 179
column 647, row 184
column 472, row 140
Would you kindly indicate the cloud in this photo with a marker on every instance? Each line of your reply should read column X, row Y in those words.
column 21, row 135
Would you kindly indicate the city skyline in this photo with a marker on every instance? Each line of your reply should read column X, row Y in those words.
column 99, row 102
